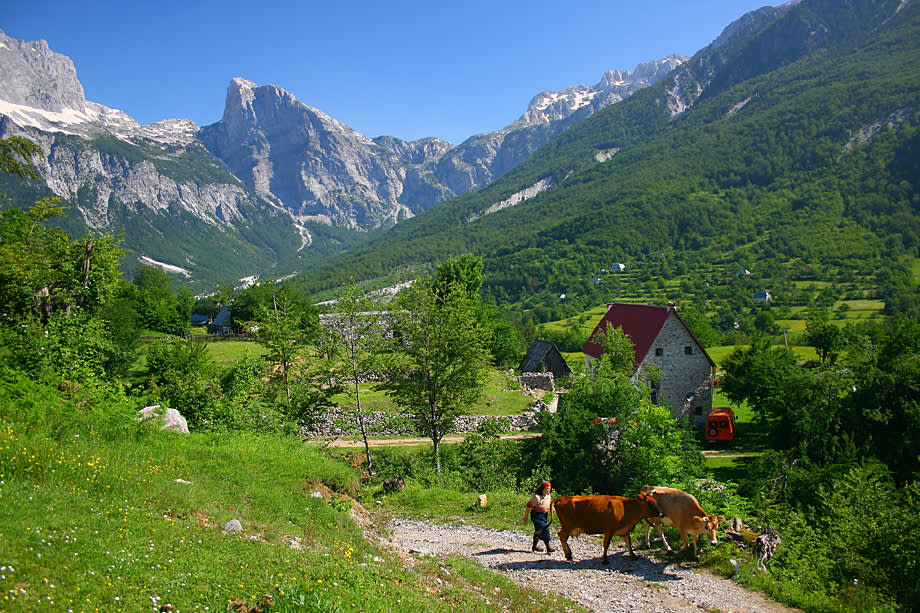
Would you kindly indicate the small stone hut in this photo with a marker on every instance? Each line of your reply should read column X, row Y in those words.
column 543, row 356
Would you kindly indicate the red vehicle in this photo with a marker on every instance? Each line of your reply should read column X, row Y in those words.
column 720, row 424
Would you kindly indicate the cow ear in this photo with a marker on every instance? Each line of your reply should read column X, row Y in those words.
column 701, row 518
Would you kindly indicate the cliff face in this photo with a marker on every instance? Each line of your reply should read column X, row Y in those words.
column 94, row 174
column 34, row 76
column 321, row 170
column 271, row 160
column 314, row 166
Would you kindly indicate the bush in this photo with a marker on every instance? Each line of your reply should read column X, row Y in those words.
column 485, row 461
column 608, row 438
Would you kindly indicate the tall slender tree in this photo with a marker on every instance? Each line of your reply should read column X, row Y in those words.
column 278, row 329
column 438, row 361
column 357, row 331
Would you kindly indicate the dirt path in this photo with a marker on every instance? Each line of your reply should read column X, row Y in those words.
column 626, row 585
column 414, row 440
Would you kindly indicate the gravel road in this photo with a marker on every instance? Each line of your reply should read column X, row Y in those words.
column 627, row 585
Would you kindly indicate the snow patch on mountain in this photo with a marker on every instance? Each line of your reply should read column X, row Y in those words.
column 516, row 198
column 99, row 119
column 737, row 107
column 163, row 266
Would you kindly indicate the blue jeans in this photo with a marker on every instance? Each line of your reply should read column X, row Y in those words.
column 540, row 525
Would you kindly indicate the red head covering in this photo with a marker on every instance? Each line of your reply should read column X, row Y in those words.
column 546, row 484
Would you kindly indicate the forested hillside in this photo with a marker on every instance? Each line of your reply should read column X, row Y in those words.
column 797, row 163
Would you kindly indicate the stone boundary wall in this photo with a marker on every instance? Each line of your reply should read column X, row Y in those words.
column 538, row 381
column 340, row 423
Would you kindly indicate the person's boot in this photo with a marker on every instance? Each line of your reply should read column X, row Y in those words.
column 536, row 542
column 549, row 549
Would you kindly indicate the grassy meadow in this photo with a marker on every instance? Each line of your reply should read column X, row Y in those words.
column 100, row 513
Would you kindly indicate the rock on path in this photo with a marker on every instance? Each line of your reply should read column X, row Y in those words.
column 625, row 585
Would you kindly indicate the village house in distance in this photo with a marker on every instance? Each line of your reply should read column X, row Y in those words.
column 661, row 339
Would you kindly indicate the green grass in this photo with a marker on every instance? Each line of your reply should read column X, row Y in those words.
column 872, row 306
column 792, row 325
column 730, row 468
column 99, row 513
column 585, row 321
column 232, row 351
column 719, row 353
column 373, row 398
column 501, row 397
column 808, row 283
column 803, row 353
column 504, row 510
column 575, row 360
column 498, row 397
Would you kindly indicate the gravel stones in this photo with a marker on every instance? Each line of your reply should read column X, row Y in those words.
column 625, row 585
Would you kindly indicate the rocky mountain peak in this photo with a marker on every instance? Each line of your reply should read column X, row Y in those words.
column 252, row 106
column 651, row 72
column 35, row 76
column 579, row 101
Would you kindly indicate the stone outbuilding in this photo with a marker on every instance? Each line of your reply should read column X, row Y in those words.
column 663, row 341
column 544, row 356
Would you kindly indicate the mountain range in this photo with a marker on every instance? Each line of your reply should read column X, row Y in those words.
column 789, row 144
column 271, row 185
column 789, row 139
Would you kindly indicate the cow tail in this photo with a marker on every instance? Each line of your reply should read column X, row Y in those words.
column 552, row 503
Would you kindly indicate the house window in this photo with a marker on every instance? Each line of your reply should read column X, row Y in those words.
column 688, row 350
column 659, row 351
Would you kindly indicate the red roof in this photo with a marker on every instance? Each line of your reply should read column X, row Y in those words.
column 640, row 322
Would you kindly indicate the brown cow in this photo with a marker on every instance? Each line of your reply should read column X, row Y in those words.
column 684, row 512
column 607, row 515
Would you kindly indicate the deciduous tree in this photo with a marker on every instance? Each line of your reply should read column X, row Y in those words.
column 357, row 330
column 438, row 359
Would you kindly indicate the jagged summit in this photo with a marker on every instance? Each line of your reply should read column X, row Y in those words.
column 615, row 85
column 40, row 90
column 297, row 156
column 35, row 76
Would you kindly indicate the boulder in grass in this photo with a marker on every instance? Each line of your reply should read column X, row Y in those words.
column 171, row 418
column 394, row 484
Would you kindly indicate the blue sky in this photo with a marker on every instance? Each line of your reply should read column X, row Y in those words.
column 407, row 68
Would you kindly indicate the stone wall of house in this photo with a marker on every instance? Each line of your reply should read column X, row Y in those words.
column 538, row 381
column 685, row 372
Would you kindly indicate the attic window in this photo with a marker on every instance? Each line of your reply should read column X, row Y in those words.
column 688, row 350
column 659, row 351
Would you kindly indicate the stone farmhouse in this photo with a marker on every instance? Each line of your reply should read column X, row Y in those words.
column 663, row 341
